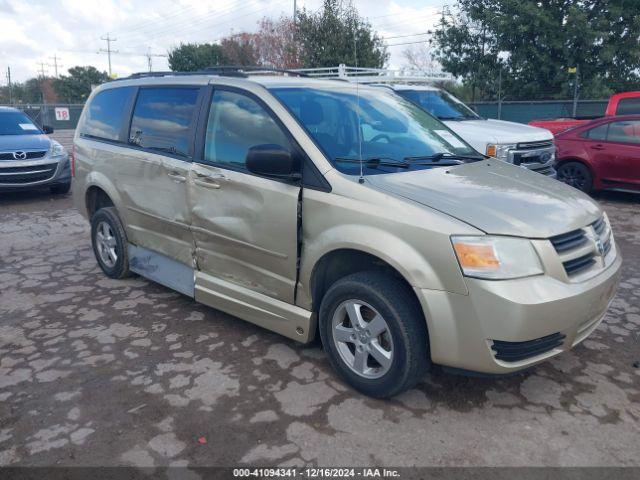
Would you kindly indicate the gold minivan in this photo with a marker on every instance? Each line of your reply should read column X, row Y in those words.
column 318, row 207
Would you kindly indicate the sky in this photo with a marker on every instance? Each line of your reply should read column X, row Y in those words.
column 33, row 32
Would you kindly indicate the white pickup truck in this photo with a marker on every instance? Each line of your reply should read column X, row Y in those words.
column 524, row 145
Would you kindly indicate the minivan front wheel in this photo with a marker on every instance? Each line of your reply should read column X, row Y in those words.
column 110, row 243
column 374, row 333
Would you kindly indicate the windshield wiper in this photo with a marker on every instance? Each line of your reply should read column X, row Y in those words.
column 374, row 162
column 173, row 150
column 436, row 157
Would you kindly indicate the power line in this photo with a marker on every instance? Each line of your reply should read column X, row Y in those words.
column 108, row 51
column 55, row 65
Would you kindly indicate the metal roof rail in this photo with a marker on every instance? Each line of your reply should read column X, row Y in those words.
column 376, row 75
column 223, row 71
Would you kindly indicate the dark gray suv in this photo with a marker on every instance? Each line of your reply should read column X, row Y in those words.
column 28, row 158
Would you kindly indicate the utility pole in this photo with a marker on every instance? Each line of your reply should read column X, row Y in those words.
column 576, row 80
column 295, row 12
column 500, row 91
column 10, row 87
column 55, row 65
column 41, row 70
column 108, row 51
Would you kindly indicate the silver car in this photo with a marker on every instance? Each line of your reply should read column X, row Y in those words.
column 28, row 157
column 320, row 208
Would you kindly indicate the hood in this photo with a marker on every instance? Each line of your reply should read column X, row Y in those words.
column 495, row 197
column 24, row 142
column 481, row 132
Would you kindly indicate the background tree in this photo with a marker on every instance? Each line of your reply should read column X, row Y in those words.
column 419, row 57
column 76, row 86
column 326, row 38
column 189, row 57
column 240, row 49
column 22, row 93
column 539, row 40
column 277, row 43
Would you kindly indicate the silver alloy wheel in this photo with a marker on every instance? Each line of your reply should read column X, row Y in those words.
column 106, row 243
column 362, row 338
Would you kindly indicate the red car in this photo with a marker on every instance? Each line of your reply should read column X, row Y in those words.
column 603, row 154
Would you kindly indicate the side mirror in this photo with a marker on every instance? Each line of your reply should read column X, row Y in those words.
column 272, row 161
column 47, row 129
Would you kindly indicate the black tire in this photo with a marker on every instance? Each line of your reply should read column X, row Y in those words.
column 402, row 313
column 577, row 175
column 120, row 267
column 61, row 189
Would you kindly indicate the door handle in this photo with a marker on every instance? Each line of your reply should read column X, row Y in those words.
column 211, row 175
column 597, row 147
column 177, row 177
column 206, row 183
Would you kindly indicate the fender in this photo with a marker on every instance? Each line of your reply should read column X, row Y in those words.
column 402, row 256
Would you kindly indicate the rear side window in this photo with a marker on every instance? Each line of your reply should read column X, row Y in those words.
column 237, row 123
column 163, row 118
column 106, row 112
column 628, row 106
column 624, row 132
column 597, row 133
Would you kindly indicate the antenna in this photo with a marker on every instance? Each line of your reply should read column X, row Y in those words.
column 355, row 58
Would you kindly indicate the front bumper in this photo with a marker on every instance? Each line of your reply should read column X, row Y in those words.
column 462, row 328
column 29, row 174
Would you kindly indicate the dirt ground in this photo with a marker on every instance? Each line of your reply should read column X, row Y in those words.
column 101, row 372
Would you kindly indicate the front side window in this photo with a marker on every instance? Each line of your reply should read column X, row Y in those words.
column 624, row 132
column 105, row 114
column 440, row 104
column 162, row 119
column 373, row 125
column 17, row 123
column 237, row 123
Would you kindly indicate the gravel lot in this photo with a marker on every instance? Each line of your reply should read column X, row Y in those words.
column 101, row 372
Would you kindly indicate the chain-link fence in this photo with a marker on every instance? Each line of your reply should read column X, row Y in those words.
column 59, row 116
column 525, row 111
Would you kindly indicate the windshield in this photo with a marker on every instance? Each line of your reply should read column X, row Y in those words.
column 440, row 104
column 392, row 129
column 17, row 123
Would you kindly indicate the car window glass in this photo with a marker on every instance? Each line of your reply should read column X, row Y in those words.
column 162, row 118
column 237, row 123
column 104, row 115
column 597, row 133
column 626, row 131
column 628, row 106
column 440, row 104
column 17, row 123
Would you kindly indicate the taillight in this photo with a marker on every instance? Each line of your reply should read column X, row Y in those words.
column 73, row 160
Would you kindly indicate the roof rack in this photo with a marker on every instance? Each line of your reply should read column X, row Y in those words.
column 377, row 75
column 222, row 70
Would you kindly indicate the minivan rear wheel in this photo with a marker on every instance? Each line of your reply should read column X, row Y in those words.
column 109, row 242
column 576, row 174
column 374, row 333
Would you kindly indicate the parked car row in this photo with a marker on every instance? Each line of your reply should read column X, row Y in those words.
column 320, row 208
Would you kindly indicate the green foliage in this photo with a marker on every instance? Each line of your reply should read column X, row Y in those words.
column 326, row 38
column 76, row 87
column 190, row 57
column 22, row 93
column 536, row 41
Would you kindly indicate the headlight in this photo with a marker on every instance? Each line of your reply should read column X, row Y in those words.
column 500, row 151
column 56, row 150
column 496, row 258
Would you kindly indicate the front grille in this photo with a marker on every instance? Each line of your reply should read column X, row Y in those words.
column 29, row 155
column 516, row 351
column 544, row 170
column 569, row 241
column 534, row 145
column 580, row 249
column 576, row 265
column 24, row 175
